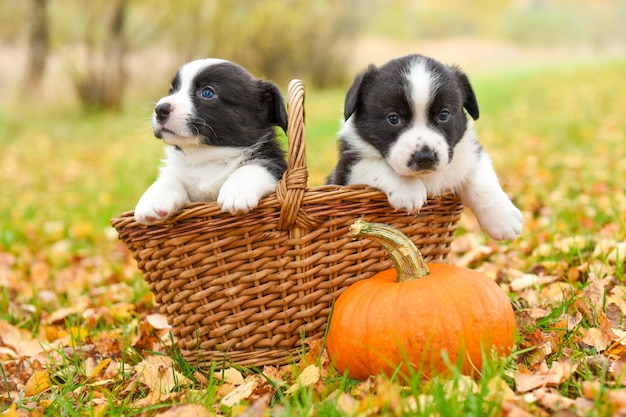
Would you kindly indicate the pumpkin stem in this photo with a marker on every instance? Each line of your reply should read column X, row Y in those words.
column 406, row 257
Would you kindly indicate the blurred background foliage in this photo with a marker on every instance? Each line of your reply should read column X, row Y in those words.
column 103, row 45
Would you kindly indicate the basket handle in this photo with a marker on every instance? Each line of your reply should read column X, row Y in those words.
column 292, row 186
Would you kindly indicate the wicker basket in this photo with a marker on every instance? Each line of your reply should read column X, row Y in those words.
column 248, row 289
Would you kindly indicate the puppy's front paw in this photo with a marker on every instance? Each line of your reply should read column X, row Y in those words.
column 502, row 222
column 153, row 209
column 236, row 198
column 409, row 199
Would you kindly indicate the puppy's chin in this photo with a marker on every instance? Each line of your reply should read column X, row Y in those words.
column 174, row 138
column 408, row 172
column 403, row 167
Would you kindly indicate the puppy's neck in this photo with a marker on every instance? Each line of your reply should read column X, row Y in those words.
column 203, row 154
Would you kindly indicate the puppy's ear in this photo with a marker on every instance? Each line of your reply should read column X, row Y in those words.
column 276, row 111
column 469, row 98
column 355, row 92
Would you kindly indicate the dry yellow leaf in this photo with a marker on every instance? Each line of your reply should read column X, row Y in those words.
column 230, row 375
column 158, row 373
column 12, row 411
column 309, row 376
column 158, row 321
column 79, row 334
column 347, row 404
column 240, row 393
column 37, row 383
column 186, row 410
column 102, row 365
column 19, row 341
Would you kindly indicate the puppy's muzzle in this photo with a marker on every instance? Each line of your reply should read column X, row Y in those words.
column 163, row 112
column 424, row 160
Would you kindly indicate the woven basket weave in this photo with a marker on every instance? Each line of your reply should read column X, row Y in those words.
column 248, row 289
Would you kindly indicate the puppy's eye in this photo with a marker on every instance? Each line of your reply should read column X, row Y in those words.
column 444, row 115
column 393, row 119
column 207, row 92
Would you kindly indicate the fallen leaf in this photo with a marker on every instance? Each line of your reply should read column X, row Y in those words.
column 525, row 281
column 101, row 366
column 240, row 393
column 528, row 382
column 594, row 390
column 313, row 353
column 497, row 388
column 309, row 376
column 37, row 383
column 510, row 409
column 600, row 338
column 618, row 370
column 12, row 411
column 18, row 340
column 59, row 316
column 617, row 296
column 617, row 254
column 552, row 377
column 230, row 375
column 158, row 373
column 186, row 410
column 274, row 374
column 591, row 300
column 158, row 321
column 347, row 404
column 258, row 408
column 552, row 400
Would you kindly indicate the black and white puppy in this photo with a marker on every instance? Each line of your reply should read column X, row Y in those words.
column 407, row 134
column 219, row 121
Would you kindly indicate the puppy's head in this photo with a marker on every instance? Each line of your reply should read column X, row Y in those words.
column 217, row 102
column 411, row 111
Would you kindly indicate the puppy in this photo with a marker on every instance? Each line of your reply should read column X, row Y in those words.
column 407, row 134
column 219, row 122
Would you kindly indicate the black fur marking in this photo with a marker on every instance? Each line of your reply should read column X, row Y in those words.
column 269, row 155
column 469, row 98
column 175, row 83
column 348, row 157
column 242, row 114
column 243, row 110
column 375, row 94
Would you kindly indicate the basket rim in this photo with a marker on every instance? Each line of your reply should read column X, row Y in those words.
column 292, row 191
column 317, row 195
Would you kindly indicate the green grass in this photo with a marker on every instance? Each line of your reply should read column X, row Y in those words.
column 556, row 139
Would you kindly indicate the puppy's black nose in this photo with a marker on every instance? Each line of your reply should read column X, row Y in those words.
column 425, row 158
column 163, row 111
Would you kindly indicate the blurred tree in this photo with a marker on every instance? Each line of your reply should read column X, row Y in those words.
column 297, row 38
column 276, row 39
column 39, row 45
column 100, row 80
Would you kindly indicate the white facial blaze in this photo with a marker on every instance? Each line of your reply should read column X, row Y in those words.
column 190, row 70
column 421, row 84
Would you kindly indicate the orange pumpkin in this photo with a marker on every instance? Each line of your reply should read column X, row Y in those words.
column 408, row 316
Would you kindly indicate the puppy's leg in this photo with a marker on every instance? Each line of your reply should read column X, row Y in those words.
column 243, row 189
column 405, row 193
column 493, row 209
column 164, row 198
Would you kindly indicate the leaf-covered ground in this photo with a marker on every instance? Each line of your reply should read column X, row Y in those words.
column 80, row 334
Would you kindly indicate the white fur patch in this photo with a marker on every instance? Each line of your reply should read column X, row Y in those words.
column 423, row 84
